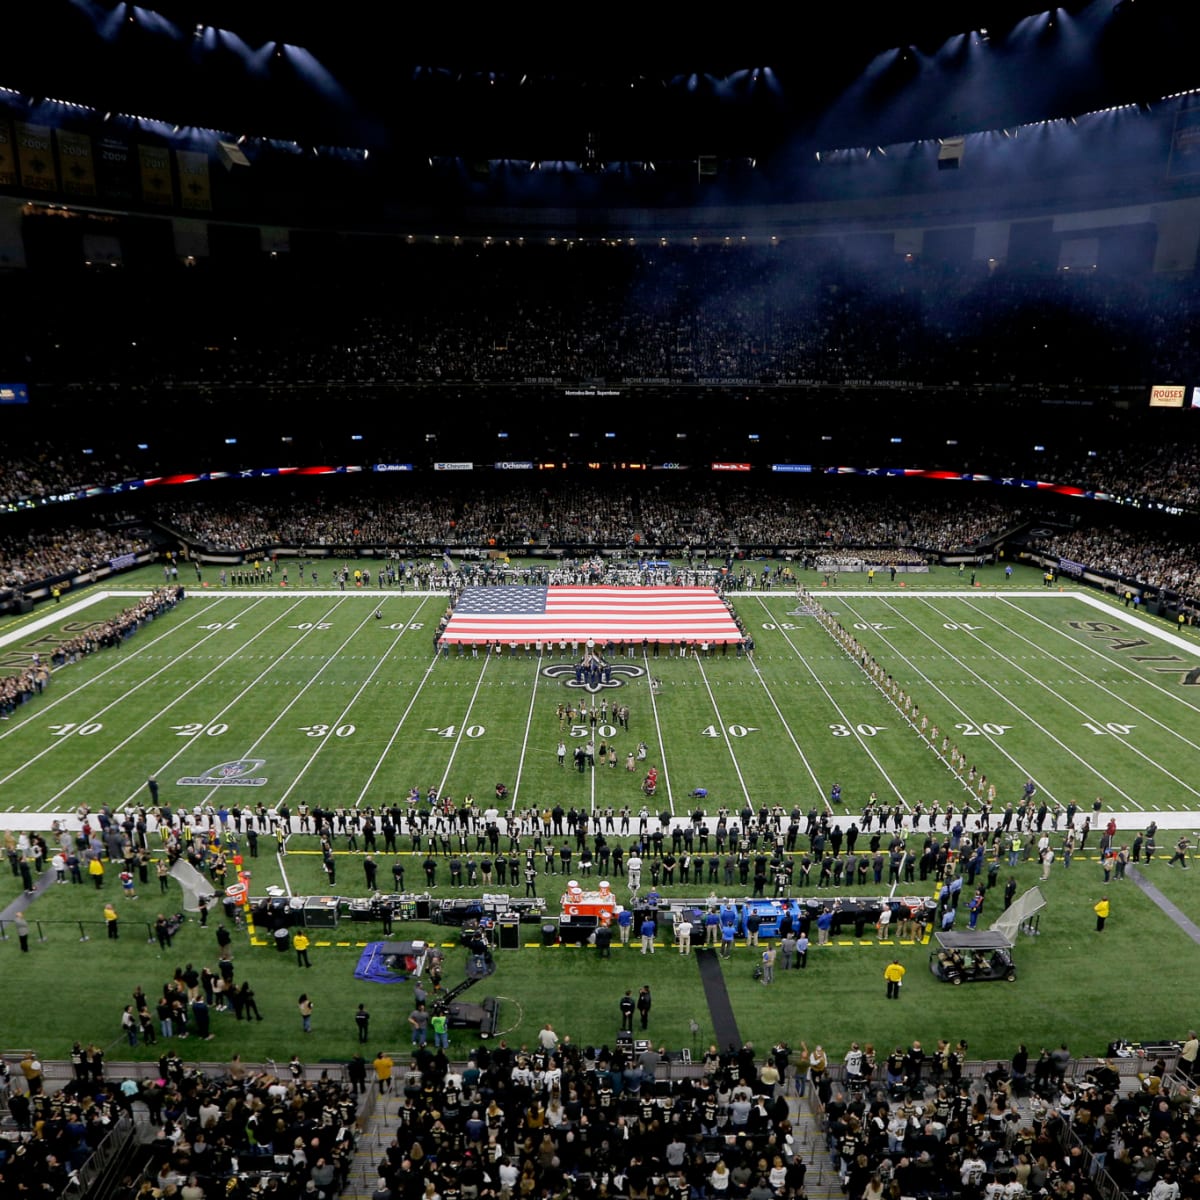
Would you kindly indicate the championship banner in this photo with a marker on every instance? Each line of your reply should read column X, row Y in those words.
column 8, row 160
column 115, row 171
column 195, row 190
column 35, row 157
column 75, row 163
column 1184, row 158
column 155, row 164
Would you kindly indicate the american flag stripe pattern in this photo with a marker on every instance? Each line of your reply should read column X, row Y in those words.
column 600, row 614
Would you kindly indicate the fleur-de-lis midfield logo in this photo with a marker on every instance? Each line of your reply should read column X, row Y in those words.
column 614, row 676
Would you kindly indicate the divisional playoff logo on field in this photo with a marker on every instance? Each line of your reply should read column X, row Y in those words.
column 228, row 774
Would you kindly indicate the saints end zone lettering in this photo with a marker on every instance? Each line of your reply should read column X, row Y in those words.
column 1105, row 631
column 228, row 774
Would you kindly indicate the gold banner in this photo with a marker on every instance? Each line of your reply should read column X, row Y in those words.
column 75, row 163
column 155, row 162
column 8, row 159
column 35, row 156
column 195, row 190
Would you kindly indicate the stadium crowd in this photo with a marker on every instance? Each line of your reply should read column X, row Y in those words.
column 33, row 679
column 794, row 312
column 279, row 1134
column 601, row 516
column 557, row 1118
column 27, row 557
column 824, row 532
column 912, row 1123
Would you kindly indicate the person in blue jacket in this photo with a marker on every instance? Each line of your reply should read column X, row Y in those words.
column 625, row 924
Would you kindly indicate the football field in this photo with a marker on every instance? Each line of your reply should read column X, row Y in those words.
column 341, row 699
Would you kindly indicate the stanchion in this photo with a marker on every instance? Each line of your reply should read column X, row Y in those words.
column 83, row 936
column 3, row 932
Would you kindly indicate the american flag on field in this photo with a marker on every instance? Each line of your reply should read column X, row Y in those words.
column 600, row 614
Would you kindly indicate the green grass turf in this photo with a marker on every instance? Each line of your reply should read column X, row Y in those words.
column 352, row 713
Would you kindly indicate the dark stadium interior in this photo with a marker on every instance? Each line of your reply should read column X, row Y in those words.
column 492, row 252
column 920, row 279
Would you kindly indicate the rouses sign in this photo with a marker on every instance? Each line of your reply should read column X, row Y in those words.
column 1166, row 395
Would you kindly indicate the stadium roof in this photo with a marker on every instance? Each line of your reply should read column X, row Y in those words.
column 610, row 83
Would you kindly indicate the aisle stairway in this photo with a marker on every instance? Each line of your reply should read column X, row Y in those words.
column 374, row 1116
column 822, row 1181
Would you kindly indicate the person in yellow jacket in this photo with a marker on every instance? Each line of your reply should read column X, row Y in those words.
column 300, row 945
column 1101, row 909
column 383, row 1065
column 894, row 974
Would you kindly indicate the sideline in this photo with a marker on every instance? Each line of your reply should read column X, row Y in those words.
column 59, row 611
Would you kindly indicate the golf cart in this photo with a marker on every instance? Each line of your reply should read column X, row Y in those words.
column 972, row 955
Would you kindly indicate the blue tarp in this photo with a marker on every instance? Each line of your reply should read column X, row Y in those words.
column 371, row 966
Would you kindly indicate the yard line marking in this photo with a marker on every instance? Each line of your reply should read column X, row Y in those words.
column 462, row 729
column 329, row 659
column 956, row 708
column 100, row 712
column 248, row 686
column 150, row 721
column 516, row 787
column 40, row 709
column 1037, row 724
column 724, row 731
column 592, row 777
column 399, row 725
column 996, row 654
column 851, row 725
column 662, row 749
column 1093, row 651
column 324, row 741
